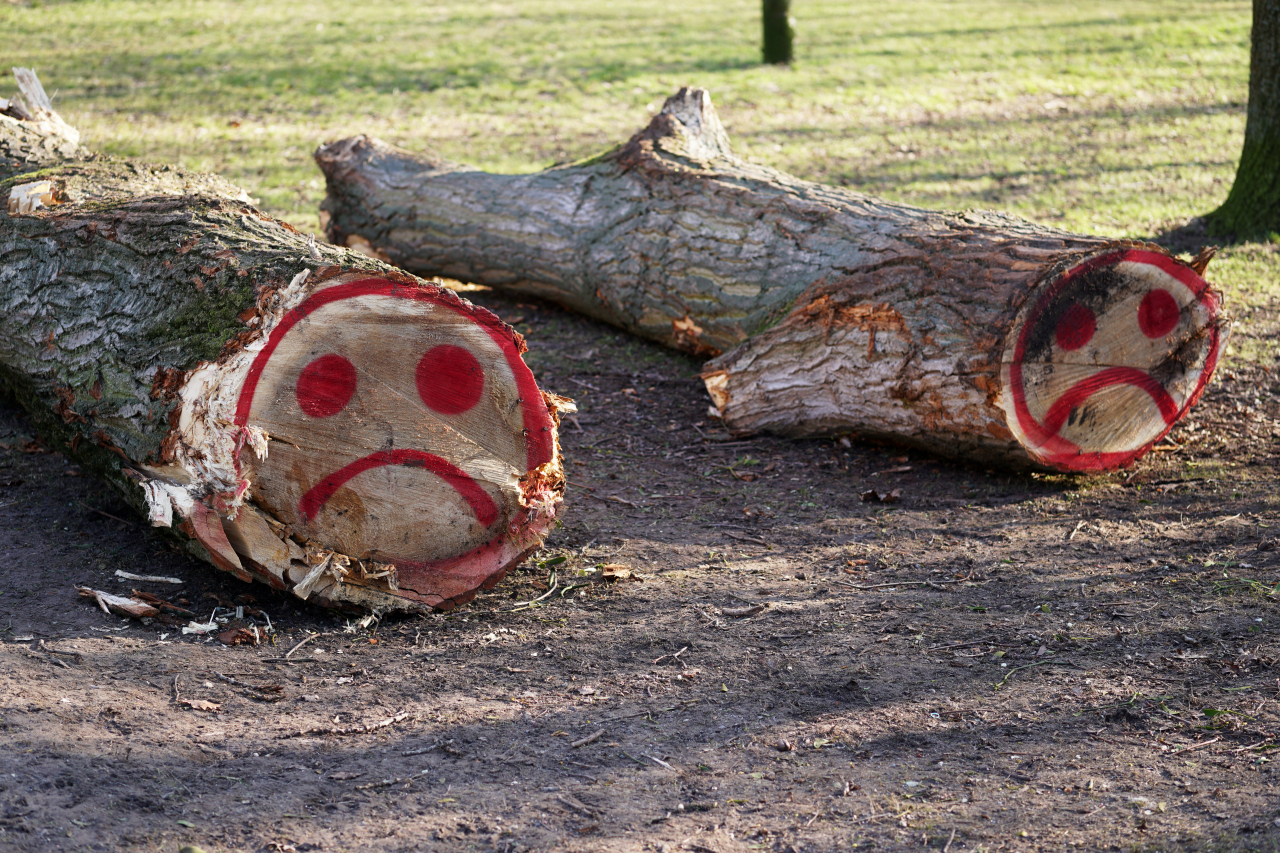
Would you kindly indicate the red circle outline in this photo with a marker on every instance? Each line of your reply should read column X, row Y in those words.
column 1065, row 454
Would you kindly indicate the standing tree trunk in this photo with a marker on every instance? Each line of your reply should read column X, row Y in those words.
column 319, row 421
column 777, row 31
column 974, row 335
column 1252, row 208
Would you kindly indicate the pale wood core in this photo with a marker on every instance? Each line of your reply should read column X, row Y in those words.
column 1105, row 361
column 400, row 426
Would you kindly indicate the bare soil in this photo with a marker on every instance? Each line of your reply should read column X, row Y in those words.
column 992, row 662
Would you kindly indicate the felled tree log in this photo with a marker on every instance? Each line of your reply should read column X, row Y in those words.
column 318, row 420
column 971, row 335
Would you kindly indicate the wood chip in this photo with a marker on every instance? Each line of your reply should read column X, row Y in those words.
column 130, row 576
column 119, row 605
column 742, row 612
column 591, row 738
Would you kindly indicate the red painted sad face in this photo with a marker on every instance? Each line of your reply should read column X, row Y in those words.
column 401, row 423
column 1108, row 359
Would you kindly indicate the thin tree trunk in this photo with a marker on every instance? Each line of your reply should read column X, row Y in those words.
column 1252, row 208
column 778, row 33
column 319, row 421
column 973, row 334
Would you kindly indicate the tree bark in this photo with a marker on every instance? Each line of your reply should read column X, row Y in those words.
column 1252, row 208
column 778, row 33
column 319, row 421
column 973, row 335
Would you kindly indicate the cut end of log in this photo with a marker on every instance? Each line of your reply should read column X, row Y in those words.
column 1106, row 358
column 381, row 445
column 407, row 434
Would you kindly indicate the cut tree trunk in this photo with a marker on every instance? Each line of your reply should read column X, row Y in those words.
column 1252, row 208
column 778, row 32
column 973, row 335
column 319, row 421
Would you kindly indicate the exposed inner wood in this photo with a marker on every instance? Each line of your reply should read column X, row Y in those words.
column 400, row 428
column 1109, row 357
column 823, row 310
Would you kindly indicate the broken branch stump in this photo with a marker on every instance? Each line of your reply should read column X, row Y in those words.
column 318, row 420
column 973, row 335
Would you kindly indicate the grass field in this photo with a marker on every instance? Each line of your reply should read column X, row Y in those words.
column 1120, row 120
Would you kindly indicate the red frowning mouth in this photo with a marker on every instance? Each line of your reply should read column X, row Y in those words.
column 1062, row 408
column 481, row 504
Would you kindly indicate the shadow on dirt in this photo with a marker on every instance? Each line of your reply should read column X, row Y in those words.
column 993, row 662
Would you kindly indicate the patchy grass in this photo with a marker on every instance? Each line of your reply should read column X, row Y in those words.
column 1122, row 121
column 1116, row 120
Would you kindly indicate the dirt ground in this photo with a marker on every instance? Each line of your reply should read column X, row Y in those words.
column 993, row 662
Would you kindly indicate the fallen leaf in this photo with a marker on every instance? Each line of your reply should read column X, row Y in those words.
column 200, row 704
column 615, row 572
column 237, row 637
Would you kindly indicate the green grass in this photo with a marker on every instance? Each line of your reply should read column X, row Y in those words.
column 1115, row 119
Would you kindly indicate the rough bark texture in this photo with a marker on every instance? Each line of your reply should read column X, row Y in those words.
column 1252, row 208
column 134, row 304
column 828, row 310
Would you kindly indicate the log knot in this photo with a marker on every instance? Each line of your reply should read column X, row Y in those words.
column 687, row 127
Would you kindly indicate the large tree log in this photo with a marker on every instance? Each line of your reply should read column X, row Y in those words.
column 973, row 334
column 320, row 421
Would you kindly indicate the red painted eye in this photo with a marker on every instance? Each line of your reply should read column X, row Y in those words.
column 1075, row 327
column 1158, row 314
column 450, row 380
column 326, row 385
